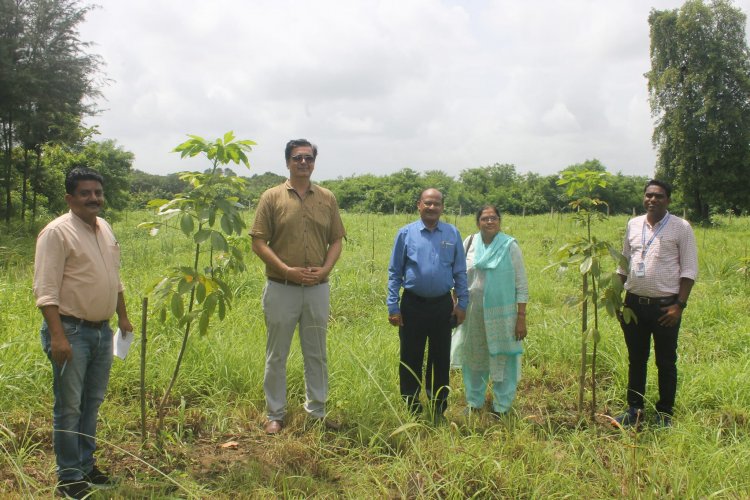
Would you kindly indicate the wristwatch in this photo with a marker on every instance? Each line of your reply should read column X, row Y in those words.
column 682, row 304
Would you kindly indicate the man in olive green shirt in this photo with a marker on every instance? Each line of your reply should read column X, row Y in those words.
column 297, row 233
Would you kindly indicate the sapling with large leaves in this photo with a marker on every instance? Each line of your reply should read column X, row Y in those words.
column 599, row 287
column 209, row 214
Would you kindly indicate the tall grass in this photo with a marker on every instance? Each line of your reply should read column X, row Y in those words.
column 541, row 450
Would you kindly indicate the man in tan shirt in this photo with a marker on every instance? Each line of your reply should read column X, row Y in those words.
column 78, row 289
column 297, row 233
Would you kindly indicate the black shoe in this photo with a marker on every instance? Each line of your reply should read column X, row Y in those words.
column 73, row 488
column 633, row 417
column 98, row 479
column 663, row 420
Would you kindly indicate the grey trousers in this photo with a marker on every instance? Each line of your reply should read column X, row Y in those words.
column 286, row 306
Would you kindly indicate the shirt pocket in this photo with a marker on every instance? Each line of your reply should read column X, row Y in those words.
column 114, row 255
column 447, row 253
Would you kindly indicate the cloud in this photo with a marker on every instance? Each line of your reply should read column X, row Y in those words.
column 381, row 85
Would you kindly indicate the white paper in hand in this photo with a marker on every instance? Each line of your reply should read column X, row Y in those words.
column 121, row 343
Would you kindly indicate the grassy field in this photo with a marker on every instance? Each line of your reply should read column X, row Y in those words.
column 542, row 450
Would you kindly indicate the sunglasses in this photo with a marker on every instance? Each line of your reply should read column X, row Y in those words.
column 303, row 158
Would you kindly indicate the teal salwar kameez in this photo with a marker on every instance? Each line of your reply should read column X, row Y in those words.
column 485, row 345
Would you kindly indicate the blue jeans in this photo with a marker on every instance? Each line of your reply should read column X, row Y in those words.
column 79, row 391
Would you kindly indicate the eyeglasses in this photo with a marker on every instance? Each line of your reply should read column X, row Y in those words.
column 303, row 158
column 490, row 218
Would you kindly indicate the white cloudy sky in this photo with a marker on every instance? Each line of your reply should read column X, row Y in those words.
column 380, row 85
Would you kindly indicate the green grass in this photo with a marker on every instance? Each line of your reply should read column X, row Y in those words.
column 542, row 450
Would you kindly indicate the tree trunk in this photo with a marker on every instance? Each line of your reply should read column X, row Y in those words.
column 7, row 147
column 36, row 183
column 24, row 183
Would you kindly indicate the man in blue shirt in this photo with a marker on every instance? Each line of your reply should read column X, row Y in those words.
column 428, row 262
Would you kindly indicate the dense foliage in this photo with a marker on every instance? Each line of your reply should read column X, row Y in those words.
column 46, row 77
column 699, row 87
column 499, row 184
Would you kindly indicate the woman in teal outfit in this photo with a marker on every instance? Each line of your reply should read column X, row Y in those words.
column 487, row 346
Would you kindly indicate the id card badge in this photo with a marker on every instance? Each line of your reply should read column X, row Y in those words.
column 640, row 270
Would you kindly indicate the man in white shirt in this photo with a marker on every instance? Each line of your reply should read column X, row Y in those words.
column 663, row 257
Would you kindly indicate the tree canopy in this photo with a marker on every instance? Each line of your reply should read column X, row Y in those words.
column 47, row 79
column 699, row 87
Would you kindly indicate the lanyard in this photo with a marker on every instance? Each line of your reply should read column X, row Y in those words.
column 645, row 246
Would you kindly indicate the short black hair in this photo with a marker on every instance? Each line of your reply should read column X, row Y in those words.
column 296, row 143
column 486, row 207
column 656, row 182
column 79, row 174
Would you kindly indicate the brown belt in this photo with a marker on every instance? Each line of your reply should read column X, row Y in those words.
column 292, row 283
column 84, row 322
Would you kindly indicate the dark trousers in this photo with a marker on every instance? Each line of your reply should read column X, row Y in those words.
column 638, row 340
column 426, row 321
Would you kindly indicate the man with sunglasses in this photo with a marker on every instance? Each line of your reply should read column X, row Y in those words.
column 297, row 233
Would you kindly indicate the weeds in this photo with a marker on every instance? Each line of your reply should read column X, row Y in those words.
column 542, row 450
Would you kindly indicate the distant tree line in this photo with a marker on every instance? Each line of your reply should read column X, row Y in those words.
column 499, row 184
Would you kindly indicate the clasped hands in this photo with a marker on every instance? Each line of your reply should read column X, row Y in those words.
column 307, row 276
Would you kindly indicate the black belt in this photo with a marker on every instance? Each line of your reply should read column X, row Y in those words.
column 426, row 300
column 292, row 283
column 84, row 322
column 652, row 301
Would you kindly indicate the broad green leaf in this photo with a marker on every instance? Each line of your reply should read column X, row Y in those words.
column 610, row 307
column 586, row 265
column 222, row 309
column 177, row 306
column 156, row 285
column 218, row 241
column 226, row 224
column 595, row 267
column 210, row 304
column 185, row 285
column 224, row 288
column 596, row 335
column 203, row 324
column 628, row 315
column 202, row 236
column 200, row 292
column 186, row 224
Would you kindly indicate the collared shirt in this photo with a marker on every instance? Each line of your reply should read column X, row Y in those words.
column 298, row 231
column 427, row 263
column 671, row 255
column 77, row 268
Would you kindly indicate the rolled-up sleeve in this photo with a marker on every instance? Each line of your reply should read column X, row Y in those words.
column 49, row 264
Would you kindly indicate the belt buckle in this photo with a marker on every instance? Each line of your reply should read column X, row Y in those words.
column 644, row 301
